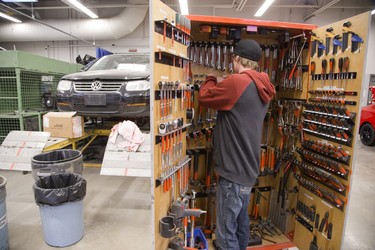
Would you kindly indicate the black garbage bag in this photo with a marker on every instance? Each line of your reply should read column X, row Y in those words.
column 56, row 189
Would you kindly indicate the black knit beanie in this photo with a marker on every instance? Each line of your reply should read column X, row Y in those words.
column 248, row 49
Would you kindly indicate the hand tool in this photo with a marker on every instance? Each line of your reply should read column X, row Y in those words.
column 312, row 70
column 206, row 54
column 167, row 228
column 323, row 222
column 201, row 53
column 165, row 28
column 324, row 70
column 231, row 50
column 321, row 49
column 313, row 44
column 356, row 43
column 196, row 52
column 331, row 69
column 298, row 57
column 304, row 223
column 329, row 35
column 340, row 66
column 218, row 62
column 213, row 56
column 317, row 221
column 274, row 51
column 329, row 229
column 313, row 244
column 267, row 59
column 191, row 50
column 192, row 218
column 225, row 57
column 336, row 44
column 345, row 35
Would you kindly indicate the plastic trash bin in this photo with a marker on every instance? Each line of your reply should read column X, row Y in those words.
column 60, row 201
column 4, row 238
column 57, row 161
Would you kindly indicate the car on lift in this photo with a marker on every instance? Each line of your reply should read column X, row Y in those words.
column 367, row 125
column 115, row 85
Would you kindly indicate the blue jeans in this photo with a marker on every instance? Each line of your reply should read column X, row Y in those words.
column 232, row 220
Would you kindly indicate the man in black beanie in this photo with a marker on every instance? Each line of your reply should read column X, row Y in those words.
column 242, row 101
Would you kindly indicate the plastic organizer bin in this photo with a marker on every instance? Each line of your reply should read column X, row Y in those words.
column 199, row 236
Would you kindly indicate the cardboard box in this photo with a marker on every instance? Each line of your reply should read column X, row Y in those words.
column 63, row 124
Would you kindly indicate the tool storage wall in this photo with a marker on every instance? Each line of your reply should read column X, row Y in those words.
column 308, row 136
column 172, row 95
column 331, row 120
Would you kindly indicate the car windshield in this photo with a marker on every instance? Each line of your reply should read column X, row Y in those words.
column 133, row 62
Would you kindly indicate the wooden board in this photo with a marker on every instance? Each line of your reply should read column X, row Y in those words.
column 303, row 237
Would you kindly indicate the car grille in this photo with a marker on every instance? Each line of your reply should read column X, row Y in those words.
column 106, row 86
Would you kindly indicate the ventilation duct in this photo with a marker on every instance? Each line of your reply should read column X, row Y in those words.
column 89, row 29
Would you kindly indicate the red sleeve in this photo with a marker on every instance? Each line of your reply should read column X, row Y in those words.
column 219, row 96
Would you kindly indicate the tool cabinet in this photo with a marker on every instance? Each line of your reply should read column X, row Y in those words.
column 309, row 133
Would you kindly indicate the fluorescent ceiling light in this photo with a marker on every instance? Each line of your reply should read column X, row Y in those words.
column 372, row 12
column 184, row 7
column 9, row 18
column 264, row 7
column 20, row 1
column 82, row 8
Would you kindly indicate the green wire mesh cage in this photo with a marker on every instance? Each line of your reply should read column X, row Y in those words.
column 24, row 80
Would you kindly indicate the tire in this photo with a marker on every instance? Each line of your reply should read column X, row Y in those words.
column 367, row 134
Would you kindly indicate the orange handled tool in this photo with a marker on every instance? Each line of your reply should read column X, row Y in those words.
column 331, row 69
column 312, row 69
column 324, row 71
column 346, row 69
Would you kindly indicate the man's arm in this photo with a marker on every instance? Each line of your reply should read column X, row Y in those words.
column 219, row 95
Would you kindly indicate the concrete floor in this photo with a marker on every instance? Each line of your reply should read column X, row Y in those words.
column 117, row 213
column 360, row 224
column 118, row 210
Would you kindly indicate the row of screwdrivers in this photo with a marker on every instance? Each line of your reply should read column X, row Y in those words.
column 325, row 120
column 330, row 110
column 343, row 70
column 322, row 162
column 317, row 174
column 336, row 152
column 321, row 192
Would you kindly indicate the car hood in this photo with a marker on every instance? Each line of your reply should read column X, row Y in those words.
column 112, row 74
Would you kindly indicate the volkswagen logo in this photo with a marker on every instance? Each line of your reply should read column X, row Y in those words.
column 96, row 85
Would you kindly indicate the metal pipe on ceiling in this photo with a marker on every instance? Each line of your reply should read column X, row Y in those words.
column 328, row 5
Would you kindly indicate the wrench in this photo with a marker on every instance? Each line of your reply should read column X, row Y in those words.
column 231, row 50
column 218, row 67
column 212, row 64
column 225, row 62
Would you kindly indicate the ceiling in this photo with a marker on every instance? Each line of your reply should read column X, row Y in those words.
column 55, row 9
column 113, row 14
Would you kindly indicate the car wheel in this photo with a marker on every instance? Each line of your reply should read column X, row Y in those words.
column 367, row 134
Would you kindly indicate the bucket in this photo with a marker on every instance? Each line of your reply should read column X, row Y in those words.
column 60, row 200
column 62, row 225
column 57, row 161
column 4, row 238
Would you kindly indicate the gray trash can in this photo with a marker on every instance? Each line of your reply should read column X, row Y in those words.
column 60, row 201
column 57, row 161
column 4, row 239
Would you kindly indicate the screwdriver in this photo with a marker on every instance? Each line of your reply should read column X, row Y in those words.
column 312, row 68
column 324, row 70
column 341, row 63
column 346, row 69
column 331, row 67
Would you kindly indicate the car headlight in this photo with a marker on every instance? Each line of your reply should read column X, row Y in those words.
column 64, row 85
column 138, row 85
